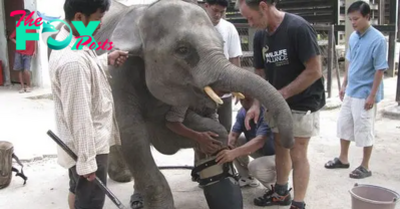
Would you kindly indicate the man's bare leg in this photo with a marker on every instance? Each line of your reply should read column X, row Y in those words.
column 282, row 161
column 367, row 157
column 301, row 168
column 280, row 194
column 21, row 81
column 344, row 151
column 27, row 76
column 71, row 200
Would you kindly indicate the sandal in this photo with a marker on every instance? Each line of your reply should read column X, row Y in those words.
column 22, row 90
column 336, row 163
column 360, row 173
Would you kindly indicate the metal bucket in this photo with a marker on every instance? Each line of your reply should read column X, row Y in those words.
column 373, row 197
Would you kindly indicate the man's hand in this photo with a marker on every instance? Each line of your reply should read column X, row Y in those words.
column 226, row 156
column 117, row 58
column 252, row 113
column 283, row 93
column 207, row 144
column 342, row 92
column 369, row 103
column 90, row 176
column 232, row 142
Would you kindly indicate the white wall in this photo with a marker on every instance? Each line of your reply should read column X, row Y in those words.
column 3, row 43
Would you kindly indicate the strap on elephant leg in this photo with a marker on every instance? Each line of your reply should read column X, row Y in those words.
column 227, row 171
column 136, row 201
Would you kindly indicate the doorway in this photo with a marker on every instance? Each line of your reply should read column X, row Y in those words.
column 10, row 6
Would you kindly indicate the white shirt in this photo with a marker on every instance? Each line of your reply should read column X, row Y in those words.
column 84, row 106
column 232, row 47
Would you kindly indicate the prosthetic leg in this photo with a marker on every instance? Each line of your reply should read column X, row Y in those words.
column 220, row 184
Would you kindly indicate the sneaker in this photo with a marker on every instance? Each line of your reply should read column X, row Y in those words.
column 272, row 198
column 249, row 181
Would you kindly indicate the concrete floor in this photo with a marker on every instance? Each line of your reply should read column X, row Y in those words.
column 25, row 122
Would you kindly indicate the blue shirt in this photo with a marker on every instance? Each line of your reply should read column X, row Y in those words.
column 261, row 128
column 366, row 54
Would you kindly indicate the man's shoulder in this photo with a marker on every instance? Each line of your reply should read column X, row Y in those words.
column 378, row 35
column 230, row 27
column 61, row 58
column 241, row 113
column 296, row 21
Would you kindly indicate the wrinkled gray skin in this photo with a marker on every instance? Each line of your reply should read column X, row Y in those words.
column 177, row 53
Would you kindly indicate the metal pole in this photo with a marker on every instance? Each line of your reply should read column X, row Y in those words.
column 113, row 198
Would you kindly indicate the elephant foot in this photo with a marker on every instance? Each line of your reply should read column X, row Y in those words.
column 136, row 201
column 118, row 175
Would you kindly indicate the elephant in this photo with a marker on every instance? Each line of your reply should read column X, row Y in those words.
column 176, row 59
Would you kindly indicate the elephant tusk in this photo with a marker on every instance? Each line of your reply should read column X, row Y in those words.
column 238, row 95
column 210, row 92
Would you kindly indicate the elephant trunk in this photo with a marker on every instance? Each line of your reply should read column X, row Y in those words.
column 235, row 79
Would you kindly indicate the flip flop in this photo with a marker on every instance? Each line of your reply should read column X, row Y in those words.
column 360, row 173
column 336, row 163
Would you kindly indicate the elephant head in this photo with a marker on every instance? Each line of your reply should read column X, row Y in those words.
column 184, row 60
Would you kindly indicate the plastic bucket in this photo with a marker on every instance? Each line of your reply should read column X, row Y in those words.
column 373, row 197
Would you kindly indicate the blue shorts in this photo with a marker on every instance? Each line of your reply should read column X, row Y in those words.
column 22, row 62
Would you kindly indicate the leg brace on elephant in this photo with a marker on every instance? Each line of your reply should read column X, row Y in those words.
column 220, row 184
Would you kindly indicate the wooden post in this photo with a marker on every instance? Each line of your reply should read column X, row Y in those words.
column 330, row 59
column 393, row 18
column 381, row 12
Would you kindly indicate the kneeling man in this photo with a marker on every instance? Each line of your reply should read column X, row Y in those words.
column 258, row 142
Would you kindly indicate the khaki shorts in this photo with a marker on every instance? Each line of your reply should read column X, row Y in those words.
column 355, row 123
column 305, row 124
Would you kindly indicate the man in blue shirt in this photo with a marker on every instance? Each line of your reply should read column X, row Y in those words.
column 258, row 141
column 362, row 89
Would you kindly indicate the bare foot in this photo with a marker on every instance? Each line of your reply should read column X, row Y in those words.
column 22, row 90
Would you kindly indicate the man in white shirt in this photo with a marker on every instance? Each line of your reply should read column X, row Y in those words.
column 232, row 49
column 84, row 106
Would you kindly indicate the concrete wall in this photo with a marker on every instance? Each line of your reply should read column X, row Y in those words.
column 3, row 43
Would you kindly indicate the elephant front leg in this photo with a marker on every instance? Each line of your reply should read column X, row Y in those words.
column 220, row 182
column 151, row 190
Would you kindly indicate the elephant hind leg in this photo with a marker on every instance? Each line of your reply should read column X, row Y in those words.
column 117, row 168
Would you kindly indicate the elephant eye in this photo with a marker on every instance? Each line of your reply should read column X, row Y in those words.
column 182, row 50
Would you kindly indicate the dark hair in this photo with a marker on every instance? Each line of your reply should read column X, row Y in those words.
column 223, row 3
column 86, row 7
column 361, row 6
column 27, row 11
column 254, row 3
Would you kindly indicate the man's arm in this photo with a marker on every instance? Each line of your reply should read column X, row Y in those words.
column 258, row 62
column 234, row 47
column 13, row 36
column 116, row 58
column 175, row 117
column 77, row 105
column 235, row 61
column 380, row 66
column 308, row 51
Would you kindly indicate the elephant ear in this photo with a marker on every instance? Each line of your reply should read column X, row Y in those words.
column 127, row 34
